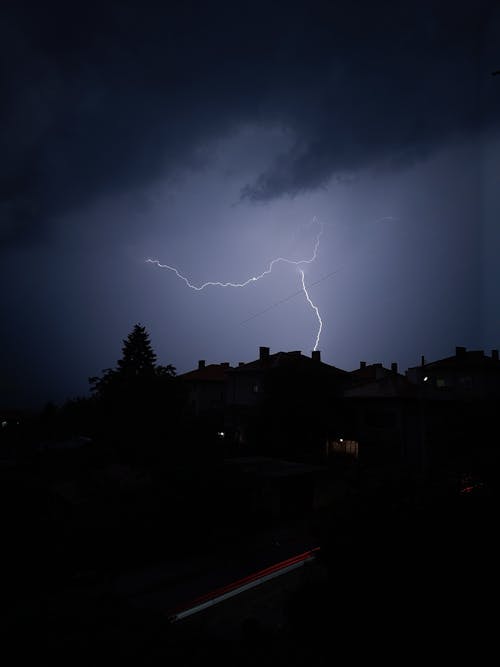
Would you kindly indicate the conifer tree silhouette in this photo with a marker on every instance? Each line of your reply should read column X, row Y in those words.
column 138, row 402
column 138, row 358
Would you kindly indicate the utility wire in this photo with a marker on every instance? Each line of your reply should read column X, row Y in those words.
column 287, row 298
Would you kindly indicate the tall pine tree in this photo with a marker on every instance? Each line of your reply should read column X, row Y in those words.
column 137, row 364
column 138, row 358
column 138, row 401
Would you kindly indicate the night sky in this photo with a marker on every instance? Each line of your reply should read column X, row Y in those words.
column 217, row 136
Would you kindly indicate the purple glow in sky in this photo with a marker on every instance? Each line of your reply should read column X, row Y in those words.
column 298, row 263
column 208, row 137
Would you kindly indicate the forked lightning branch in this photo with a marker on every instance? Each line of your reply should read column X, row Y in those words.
column 278, row 260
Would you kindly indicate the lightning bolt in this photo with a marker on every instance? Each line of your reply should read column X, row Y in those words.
column 277, row 260
column 315, row 308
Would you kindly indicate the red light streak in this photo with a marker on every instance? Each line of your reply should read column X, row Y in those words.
column 220, row 593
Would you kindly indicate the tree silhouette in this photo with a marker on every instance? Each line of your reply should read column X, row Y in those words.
column 138, row 357
column 136, row 366
column 139, row 401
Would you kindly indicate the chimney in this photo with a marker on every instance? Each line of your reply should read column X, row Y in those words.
column 316, row 356
column 494, row 355
column 201, row 364
column 263, row 353
column 422, row 361
column 394, row 367
column 362, row 364
column 460, row 351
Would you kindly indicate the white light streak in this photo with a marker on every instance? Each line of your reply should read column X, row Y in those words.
column 277, row 260
column 315, row 308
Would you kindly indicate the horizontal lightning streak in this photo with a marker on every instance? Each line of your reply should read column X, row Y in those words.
column 277, row 260
column 210, row 283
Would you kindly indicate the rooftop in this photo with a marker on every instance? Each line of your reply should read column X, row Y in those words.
column 464, row 358
column 210, row 373
column 294, row 360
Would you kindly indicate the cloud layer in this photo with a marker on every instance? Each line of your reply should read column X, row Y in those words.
column 100, row 99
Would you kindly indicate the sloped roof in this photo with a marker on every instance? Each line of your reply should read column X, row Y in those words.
column 468, row 359
column 288, row 360
column 210, row 373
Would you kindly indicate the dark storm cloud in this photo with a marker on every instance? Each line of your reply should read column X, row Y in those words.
column 98, row 98
column 395, row 84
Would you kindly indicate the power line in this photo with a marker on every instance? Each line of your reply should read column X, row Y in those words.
column 287, row 298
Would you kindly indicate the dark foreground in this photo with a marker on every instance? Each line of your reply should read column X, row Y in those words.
column 407, row 570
